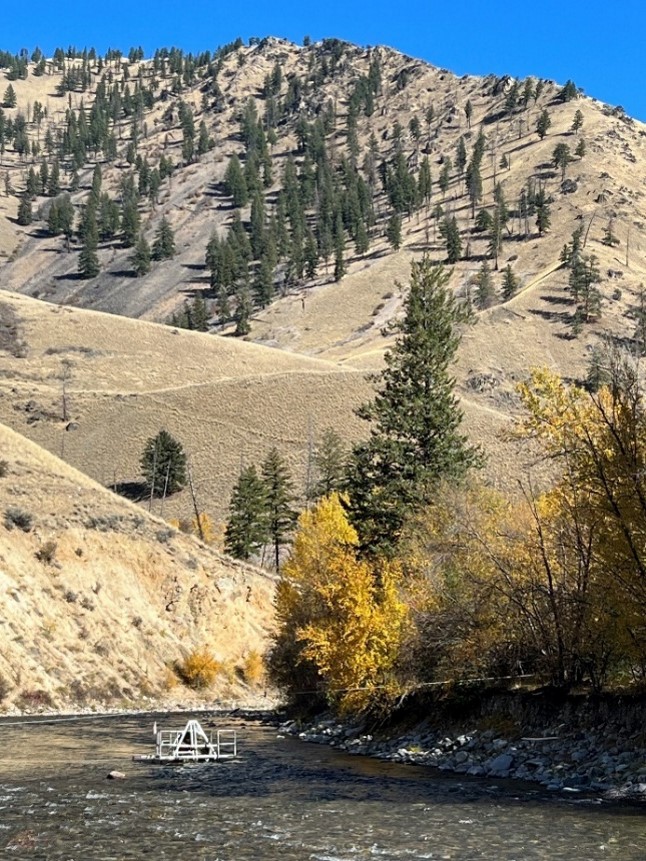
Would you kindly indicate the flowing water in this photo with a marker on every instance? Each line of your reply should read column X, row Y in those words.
column 281, row 800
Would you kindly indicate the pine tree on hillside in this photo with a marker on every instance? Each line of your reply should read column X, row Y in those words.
column 235, row 182
column 543, row 212
column 394, row 231
column 577, row 122
column 246, row 528
column 330, row 457
column 510, row 283
column 415, row 440
column 561, row 158
column 88, row 266
column 25, row 215
column 141, row 257
column 164, row 244
column 10, row 99
column 485, row 293
column 243, row 311
column 163, row 464
column 543, row 124
column 279, row 497
column 451, row 233
column 339, row 247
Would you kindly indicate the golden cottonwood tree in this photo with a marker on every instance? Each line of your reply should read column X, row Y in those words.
column 510, row 589
column 341, row 618
column 600, row 441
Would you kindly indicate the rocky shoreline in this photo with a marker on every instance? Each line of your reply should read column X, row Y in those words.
column 607, row 761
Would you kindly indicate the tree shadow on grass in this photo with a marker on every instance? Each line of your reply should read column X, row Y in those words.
column 135, row 491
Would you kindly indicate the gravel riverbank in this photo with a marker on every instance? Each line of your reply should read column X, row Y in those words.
column 609, row 760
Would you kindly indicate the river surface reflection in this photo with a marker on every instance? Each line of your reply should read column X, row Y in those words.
column 281, row 800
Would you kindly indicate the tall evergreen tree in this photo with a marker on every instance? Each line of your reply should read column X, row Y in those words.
column 163, row 464
column 339, row 247
column 577, row 122
column 279, row 497
column 394, row 231
column 329, row 461
column 415, row 440
column 451, row 233
column 235, row 182
column 246, row 528
column 24, row 215
column 243, row 311
column 510, row 283
column 485, row 294
column 543, row 124
column 141, row 257
column 88, row 259
column 164, row 244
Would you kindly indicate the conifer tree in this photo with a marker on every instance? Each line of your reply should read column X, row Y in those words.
column 543, row 212
column 394, row 231
column 264, row 283
column 235, row 182
column 561, row 158
column 10, row 99
column 311, row 254
column 415, row 440
column 243, row 311
column 577, row 122
column 257, row 229
column 141, row 257
column 495, row 243
column 246, row 528
column 339, row 247
column 163, row 464
column 543, row 124
column 510, row 283
column 130, row 220
column 485, row 294
column 88, row 259
column 204, row 142
column 468, row 112
column 279, row 497
column 451, row 233
column 25, row 215
column 164, row 244
column 330, row 458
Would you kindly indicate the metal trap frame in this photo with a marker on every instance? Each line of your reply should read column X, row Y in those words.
column 192, row 744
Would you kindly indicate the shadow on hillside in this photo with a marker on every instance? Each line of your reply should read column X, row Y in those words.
column 135, row 491
column 122, row 273
column 555, row 300
column 71, row 276
column 552, row 316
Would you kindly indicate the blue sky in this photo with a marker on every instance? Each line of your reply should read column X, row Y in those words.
column 599, row 46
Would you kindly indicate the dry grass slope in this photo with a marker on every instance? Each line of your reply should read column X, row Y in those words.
column 98, row 599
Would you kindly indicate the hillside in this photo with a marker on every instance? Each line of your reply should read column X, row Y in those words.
column 93, row 387
column 98, row 599
column 228, row 400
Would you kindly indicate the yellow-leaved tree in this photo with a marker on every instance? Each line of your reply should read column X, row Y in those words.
column 341, row 619
column 599, row 501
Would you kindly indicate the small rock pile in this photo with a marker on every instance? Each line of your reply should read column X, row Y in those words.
column 613, row 764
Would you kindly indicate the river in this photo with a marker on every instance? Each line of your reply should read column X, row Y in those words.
column 281, row 800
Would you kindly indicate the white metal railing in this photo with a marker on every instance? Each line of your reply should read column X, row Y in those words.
column 192, row 744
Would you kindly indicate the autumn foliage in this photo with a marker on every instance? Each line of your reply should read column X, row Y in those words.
column 550, row 585
column 342, row 621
